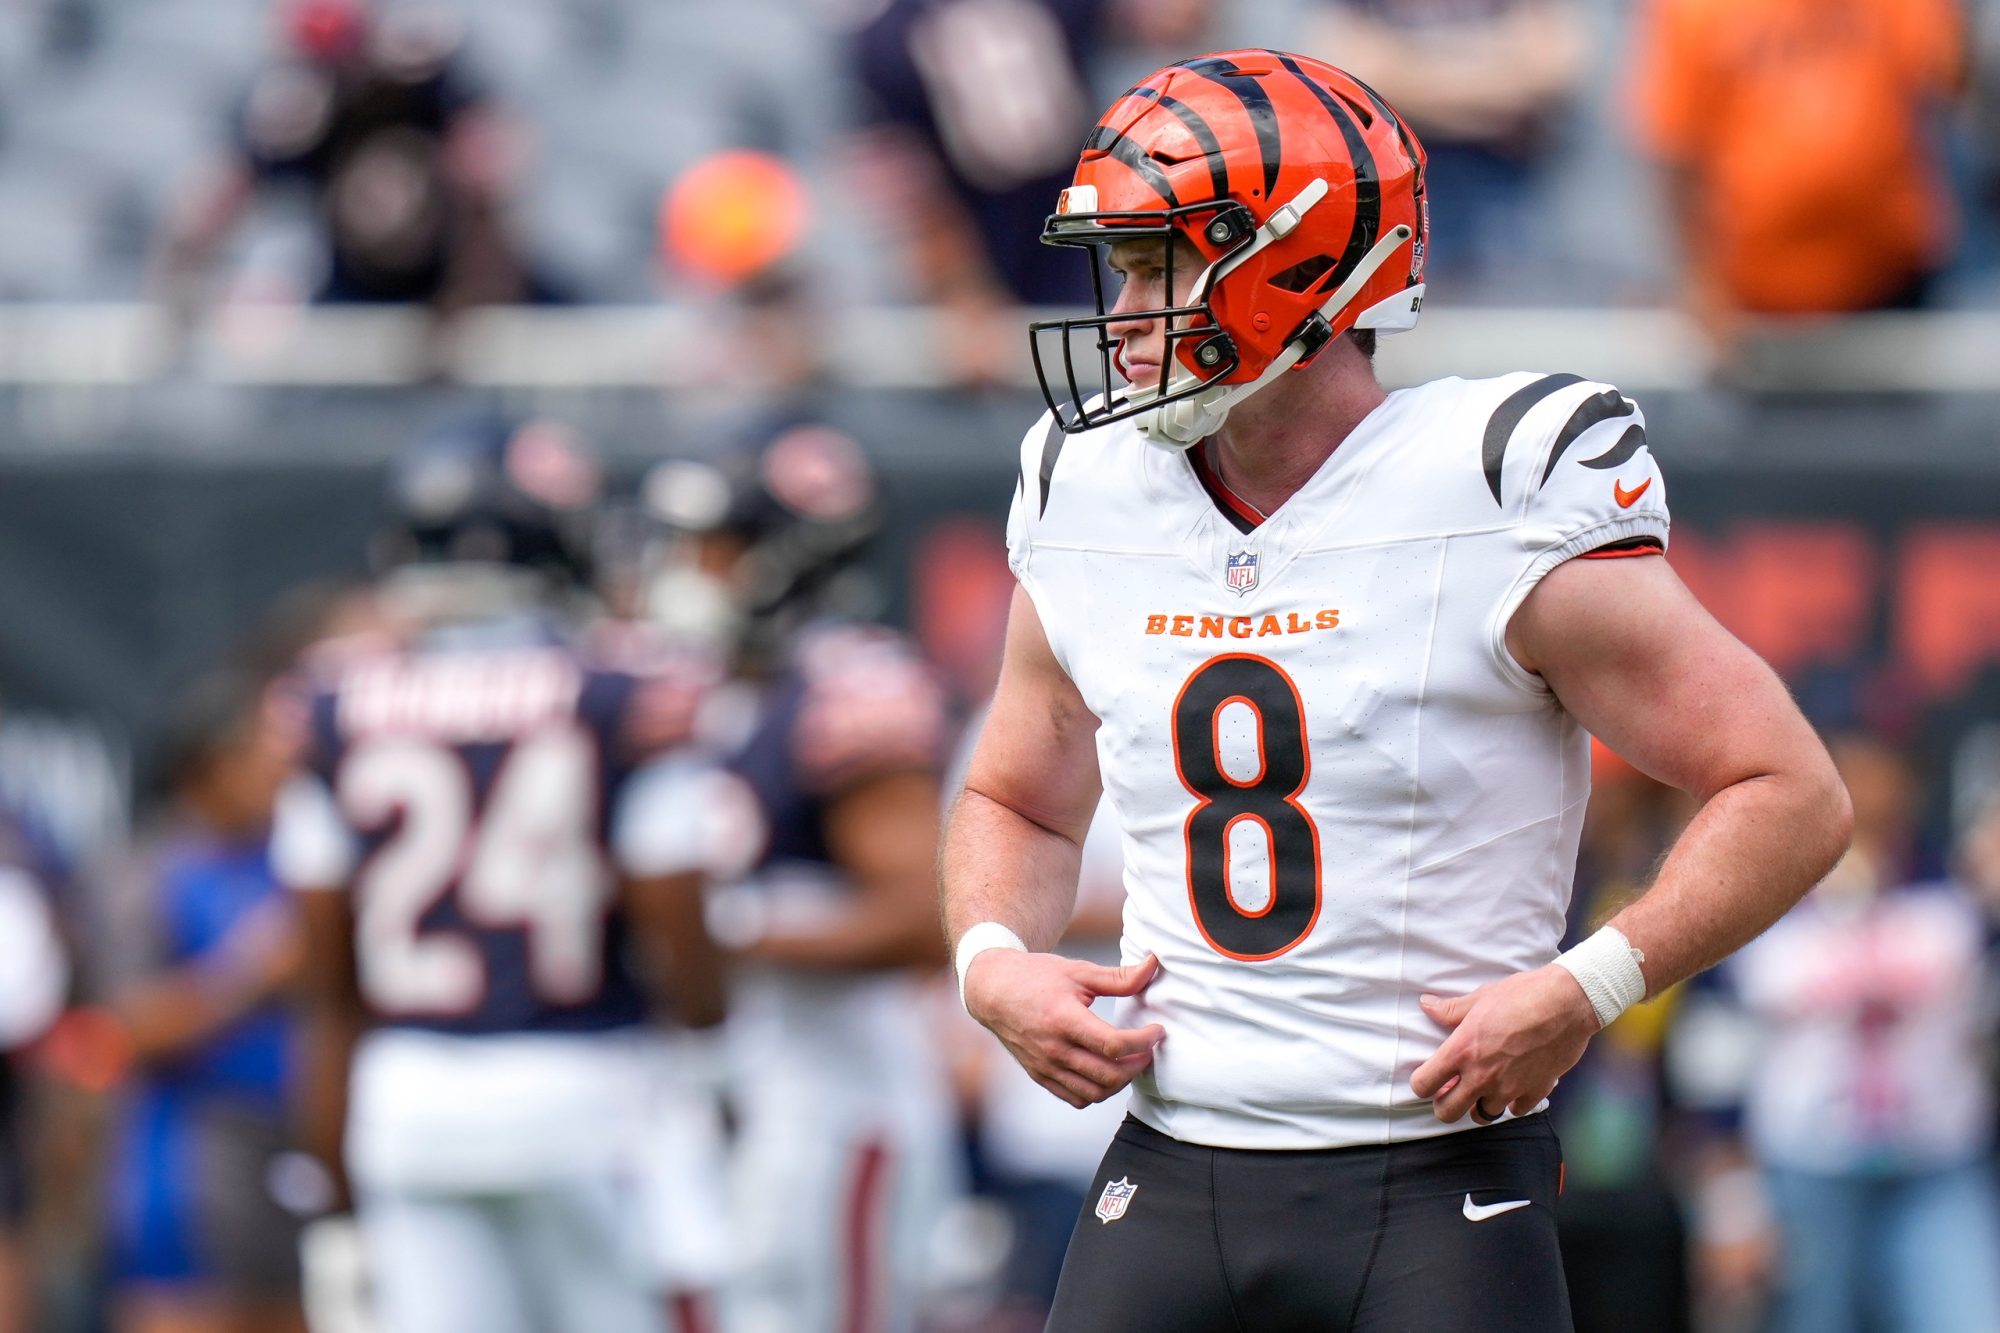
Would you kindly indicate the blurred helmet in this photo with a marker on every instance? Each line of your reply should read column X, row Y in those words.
column 487, row 491
column 760, row 541
column 1299, row 192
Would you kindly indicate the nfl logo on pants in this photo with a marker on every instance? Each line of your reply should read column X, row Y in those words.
column 1117, row 1197
column 1240, row 571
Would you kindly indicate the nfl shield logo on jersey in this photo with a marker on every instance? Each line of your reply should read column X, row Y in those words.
column 1240, row 572
column 1117, row 1197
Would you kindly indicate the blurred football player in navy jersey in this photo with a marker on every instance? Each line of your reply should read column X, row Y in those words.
column 829, row 809
column 483, row 969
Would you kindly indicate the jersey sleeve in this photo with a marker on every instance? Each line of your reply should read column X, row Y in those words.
column 683, row 816
column 1582, row 481
column 642, row 699
column 1040, row 449
column 311, row 846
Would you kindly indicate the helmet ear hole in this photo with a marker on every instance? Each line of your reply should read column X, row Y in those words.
column 1304, row 275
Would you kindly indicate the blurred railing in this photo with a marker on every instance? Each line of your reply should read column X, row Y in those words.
column 898, row 348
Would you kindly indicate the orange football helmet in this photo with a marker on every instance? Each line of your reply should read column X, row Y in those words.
column 1297, row 186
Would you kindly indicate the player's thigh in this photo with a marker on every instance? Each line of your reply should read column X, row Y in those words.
column 683, row 1182
column 803, row 1196
column 579, row 1249
column 926, row 1179
column 1468, row 1235
column 440, row 1264
column 1144, row 1254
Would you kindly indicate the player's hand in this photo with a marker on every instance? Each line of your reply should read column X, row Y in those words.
column 1038, row 1005
column 1510, row 1041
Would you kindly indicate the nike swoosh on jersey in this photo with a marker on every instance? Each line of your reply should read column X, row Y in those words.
column 1626, row 498
column 1475, row 1212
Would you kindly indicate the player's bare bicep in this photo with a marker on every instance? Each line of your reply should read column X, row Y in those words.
column 1644, row 667
column 1037, row 754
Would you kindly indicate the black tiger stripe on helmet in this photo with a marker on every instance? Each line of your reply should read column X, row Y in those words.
column 1256, row 102
column 1367, row 179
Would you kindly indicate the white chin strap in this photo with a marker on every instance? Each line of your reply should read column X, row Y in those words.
column 1190, row 420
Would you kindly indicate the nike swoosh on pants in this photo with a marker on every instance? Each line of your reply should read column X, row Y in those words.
column 1475, row 1212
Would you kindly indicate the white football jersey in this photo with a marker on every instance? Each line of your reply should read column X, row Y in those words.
column 1337, row 789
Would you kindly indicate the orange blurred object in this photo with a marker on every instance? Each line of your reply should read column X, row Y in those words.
column 1806, row 134
column 87, row 1048
column 1607, row 766
column 732, row 215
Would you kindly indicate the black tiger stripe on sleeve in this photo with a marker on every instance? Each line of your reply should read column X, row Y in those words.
column 1592, row 411
column 1506, row 419
column 1630, row 443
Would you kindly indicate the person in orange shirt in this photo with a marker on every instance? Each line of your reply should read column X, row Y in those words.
column 1801, row 172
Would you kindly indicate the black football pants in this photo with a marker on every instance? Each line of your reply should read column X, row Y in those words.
column 1410, row 1236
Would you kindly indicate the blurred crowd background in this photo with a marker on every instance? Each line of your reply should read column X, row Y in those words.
column 250, row 252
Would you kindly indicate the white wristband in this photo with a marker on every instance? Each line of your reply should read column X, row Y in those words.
column 1607, row 967
column 986, row 935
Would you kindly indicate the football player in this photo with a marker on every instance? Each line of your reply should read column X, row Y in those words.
column 836, row 733
column 1335, row 655
column 483, row 972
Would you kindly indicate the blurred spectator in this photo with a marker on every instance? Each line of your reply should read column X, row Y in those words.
column 1979, row 855
column 408, row 164
column 202, row 947
column 1802, row 170
column 1869, row 1108
column 1483, row 83
column 975, row 113
column 736, row 226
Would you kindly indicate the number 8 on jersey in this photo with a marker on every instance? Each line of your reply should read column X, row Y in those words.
column 1219, row 850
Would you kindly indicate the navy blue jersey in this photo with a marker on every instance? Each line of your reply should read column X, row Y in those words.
column 478, row 784
column 852, row 703
column 998, row 93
